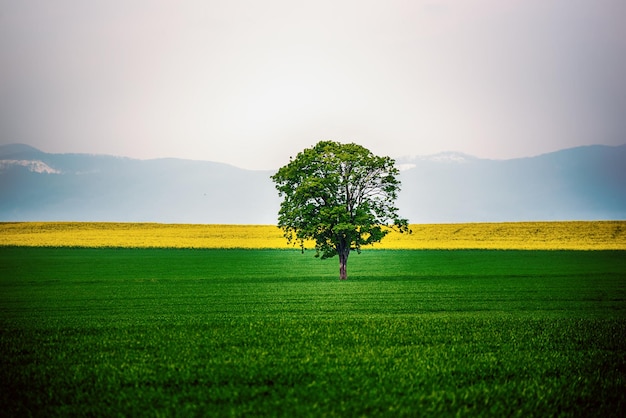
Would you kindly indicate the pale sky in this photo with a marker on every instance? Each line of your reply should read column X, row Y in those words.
column 251, row 83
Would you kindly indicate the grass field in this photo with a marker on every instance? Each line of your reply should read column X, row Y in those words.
column 197, row 332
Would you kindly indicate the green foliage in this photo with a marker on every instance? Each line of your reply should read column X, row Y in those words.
column 340, row 196
column 122, row 332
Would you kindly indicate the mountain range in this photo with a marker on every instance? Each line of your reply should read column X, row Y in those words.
column 583, row 183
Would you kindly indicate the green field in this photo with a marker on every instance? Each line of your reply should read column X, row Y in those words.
column 157, row 332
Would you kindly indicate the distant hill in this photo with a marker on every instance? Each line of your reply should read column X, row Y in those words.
column 40, row 186
column 585, row 183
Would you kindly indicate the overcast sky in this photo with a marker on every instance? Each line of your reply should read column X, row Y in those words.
column 253, row 82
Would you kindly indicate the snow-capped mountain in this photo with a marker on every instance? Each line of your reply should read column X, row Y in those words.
column 585, row 183
column 34, row 166
column 409, row 162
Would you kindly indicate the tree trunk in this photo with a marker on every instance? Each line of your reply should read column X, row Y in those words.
column 343, row 263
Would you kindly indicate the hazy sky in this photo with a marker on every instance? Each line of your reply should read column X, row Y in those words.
column 253, row 82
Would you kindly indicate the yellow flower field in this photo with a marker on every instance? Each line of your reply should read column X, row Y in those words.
column 596, row 235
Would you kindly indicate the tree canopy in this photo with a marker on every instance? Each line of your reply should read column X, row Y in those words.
column 339, row 195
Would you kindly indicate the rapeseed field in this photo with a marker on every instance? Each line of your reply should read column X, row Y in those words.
column 580, row 235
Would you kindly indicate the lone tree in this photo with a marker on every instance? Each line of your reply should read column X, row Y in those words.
column 339, row 195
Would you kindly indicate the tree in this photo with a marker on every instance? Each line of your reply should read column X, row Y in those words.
column 339, row 195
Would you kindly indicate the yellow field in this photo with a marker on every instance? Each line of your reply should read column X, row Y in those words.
column 601, row 235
